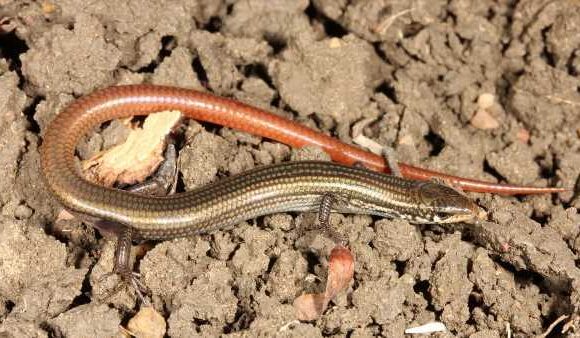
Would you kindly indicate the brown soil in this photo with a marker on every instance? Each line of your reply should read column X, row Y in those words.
column 418, row 71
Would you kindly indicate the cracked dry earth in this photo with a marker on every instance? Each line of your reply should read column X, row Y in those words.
column 423, row 72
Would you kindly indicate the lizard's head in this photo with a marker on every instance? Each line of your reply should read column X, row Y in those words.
column 443, row 204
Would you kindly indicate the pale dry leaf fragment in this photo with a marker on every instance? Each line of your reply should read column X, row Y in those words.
column 340, row 273
column 427, row 328
column 138, row 157
column 147, row 323
column 64, row 215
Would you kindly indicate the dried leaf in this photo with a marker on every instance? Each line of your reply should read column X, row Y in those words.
column 427, row 328
column 138, row 157
column 340, row 273
column 309, row 306
column 147, row 323
column 64, row 215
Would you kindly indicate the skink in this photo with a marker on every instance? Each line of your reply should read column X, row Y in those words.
column 292, row 186
column 285, row 187
column 298, row 186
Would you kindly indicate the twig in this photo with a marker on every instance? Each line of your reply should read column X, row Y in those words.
column 366, row 142
column 568, row 325
column 553, row 325
column 561, row 100
column 391, row 159
column 385, row 24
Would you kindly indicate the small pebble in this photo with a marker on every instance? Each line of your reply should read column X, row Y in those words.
column 484, row 120
column 485, row 100
column 523, row 135
column 334, row 43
